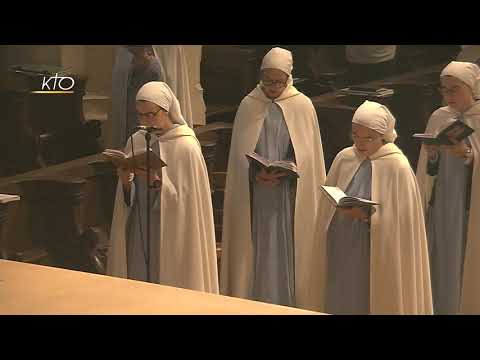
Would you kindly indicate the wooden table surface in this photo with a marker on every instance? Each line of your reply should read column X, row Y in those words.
column 27, row 289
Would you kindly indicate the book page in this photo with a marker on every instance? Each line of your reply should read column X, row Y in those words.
column 288, row 166
column 258, row 159
column 351, row 201
column 424, row 136
column 334, row 192
column 140, row 161
column 435, row 134
column 6, row 198
column 115, row 153
column 120, row 159
column 454, row 129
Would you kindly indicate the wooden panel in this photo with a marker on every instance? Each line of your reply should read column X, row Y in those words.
column 44, row 129
column 335, row 123
column 228, row 73
column 19, row 240
column 54, row 218
column 18, row 144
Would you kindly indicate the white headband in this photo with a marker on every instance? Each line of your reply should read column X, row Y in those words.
column 467, row 72
column 278, row 58
column 377, row 117
column 159, row 93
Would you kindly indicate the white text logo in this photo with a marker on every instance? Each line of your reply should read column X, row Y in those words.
column 56, row 85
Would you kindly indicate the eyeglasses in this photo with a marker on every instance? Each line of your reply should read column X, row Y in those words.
column 273, row 83
column 446, row 91
column 149, row 115
column 364, row 140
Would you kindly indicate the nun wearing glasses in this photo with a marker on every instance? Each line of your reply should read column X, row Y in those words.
column 373, row 262
column 182, row 251
column 449, row 180
column 268, row 217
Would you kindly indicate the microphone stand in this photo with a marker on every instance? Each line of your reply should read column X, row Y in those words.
column 148, row 137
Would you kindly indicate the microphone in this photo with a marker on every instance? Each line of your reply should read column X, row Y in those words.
column 149, row 129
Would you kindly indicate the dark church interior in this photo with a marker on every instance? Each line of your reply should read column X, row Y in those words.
column 51, row 146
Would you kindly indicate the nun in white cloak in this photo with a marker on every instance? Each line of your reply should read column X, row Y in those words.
column 267, row 230
column 181, row 64
column 182, row 248
column 449, row 180
column 126, row 81
column 373, row 262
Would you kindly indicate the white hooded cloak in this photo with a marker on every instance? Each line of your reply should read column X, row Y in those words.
column 187, row 235
column 237, row 263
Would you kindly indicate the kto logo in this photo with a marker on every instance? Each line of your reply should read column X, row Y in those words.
column 56, row 85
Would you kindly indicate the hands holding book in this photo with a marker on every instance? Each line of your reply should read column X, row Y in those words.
column 355, row 207
column 459, row 149
column 269, row 178
column 126, row 177
column 358, row 213
column 451, row 137
column 128, row 166
column 270, row 172
column 432, row 151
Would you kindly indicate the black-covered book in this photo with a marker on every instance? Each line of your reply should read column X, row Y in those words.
column 449, row 134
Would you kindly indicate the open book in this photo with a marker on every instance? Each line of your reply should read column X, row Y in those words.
column 456, row 130
column 339, row 199
column 367, row 91
column 139, row 161
column 6, row 198
column 288, row 167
